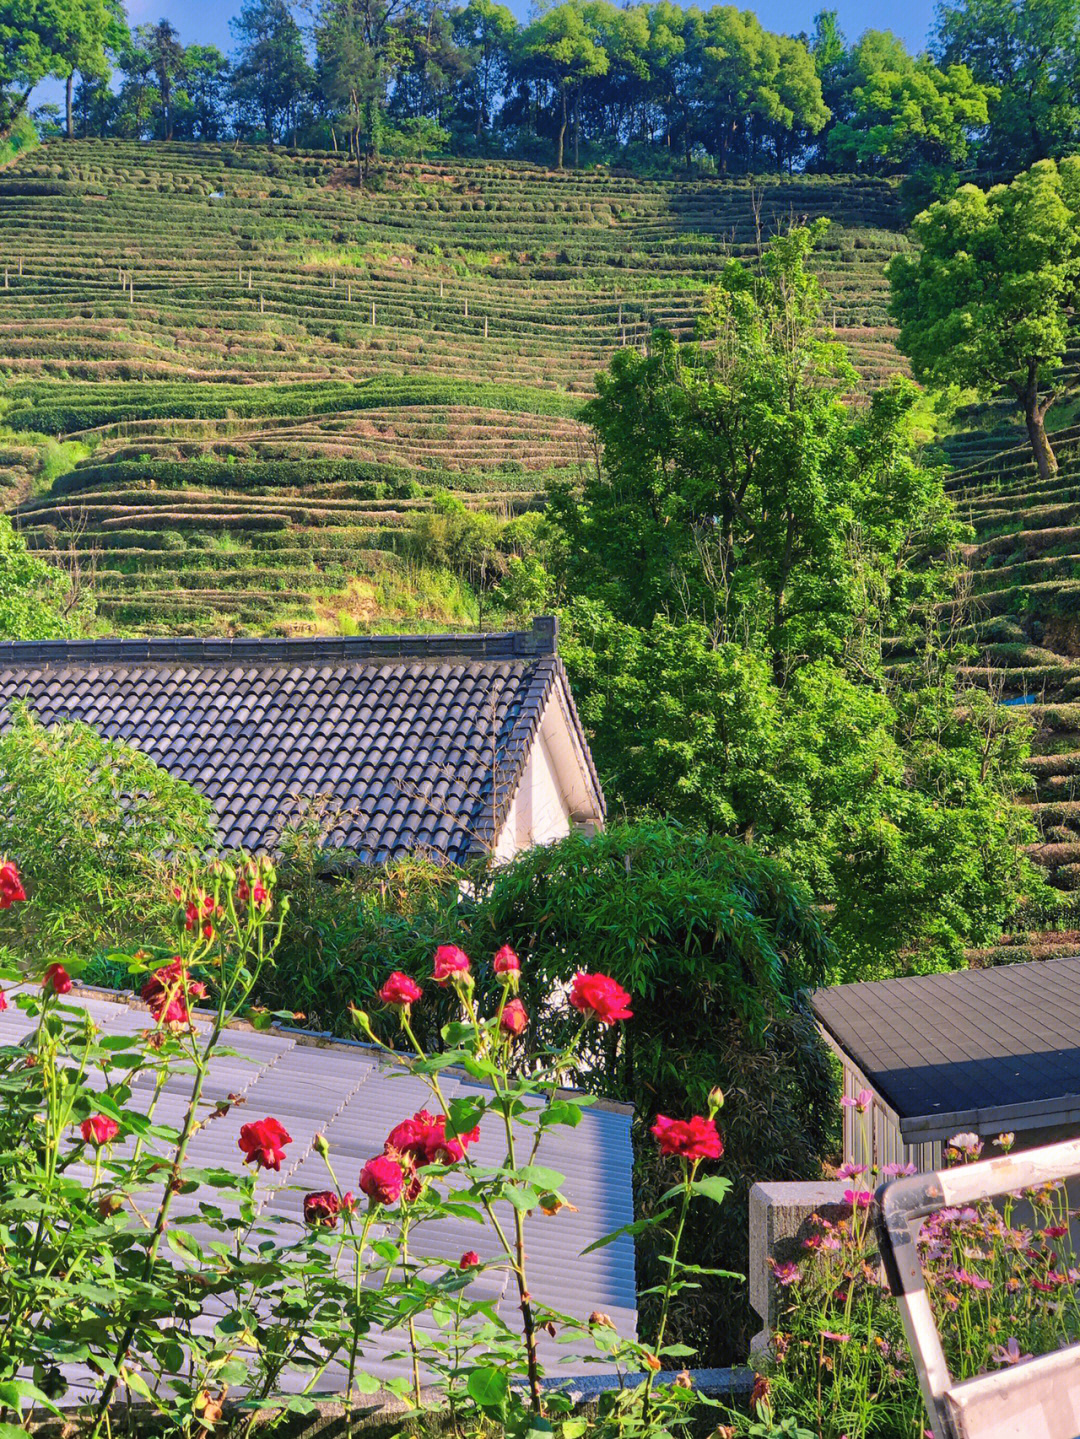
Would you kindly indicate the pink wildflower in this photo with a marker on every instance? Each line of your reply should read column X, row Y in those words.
column 862, row 1101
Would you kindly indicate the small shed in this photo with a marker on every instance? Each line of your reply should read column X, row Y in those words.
column 981, row 1051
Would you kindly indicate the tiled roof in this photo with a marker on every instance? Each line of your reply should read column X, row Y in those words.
column 959, row 1043
column 419, row 739
column 347, row 1093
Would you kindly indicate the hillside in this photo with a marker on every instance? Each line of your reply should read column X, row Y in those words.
column 231, row 377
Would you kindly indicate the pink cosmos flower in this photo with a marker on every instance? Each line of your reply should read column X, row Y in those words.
column 972, row 1281
column 894, row 1171
column 837, row 1338
column 1009, row 1353
column 850, row 1171
column 785, row 1274
column 862, row 1101
column 858, row 1198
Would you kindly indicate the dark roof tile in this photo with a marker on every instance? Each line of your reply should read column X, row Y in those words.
column 400, row 726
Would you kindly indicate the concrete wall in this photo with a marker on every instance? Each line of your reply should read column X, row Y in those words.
column 780, row 1217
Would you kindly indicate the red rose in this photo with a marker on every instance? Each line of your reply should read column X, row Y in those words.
column 322, row 1209
column 259, row 895
column 423, row 1140
column 596, row 994
column 695, row 1138
column 449, row 960
column 382, row 1179
column 243, row 891
column 99, row 1130
column 168, row 990
column 400, row 989
column 506, row 961
column 207, row 931
column 57, row 979
column 3, row 1001
column 11, row 890
column 514, row 1019
column 264, row 1142
column 469, row 1260
column 191, row 914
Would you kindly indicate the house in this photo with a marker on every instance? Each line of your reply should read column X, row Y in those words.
column 349, row 1093
column 442, row 745
column 983, row 1051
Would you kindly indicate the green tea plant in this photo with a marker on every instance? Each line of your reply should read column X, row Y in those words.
column 104, row 1284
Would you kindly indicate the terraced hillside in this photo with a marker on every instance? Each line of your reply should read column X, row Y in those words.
column 231, row 378
column 1023, row 615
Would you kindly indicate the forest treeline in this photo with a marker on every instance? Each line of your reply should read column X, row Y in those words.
column 654, row 86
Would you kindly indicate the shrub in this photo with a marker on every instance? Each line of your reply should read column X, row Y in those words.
column 98, row 825
column 715, row 942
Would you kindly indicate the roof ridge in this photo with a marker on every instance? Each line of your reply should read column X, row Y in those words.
column 540, row 641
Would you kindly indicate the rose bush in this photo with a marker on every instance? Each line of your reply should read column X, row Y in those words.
column 99, row 1269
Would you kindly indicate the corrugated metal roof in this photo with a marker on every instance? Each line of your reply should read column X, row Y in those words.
column 351, row 1095
column 420, row 740
column 958, row 1043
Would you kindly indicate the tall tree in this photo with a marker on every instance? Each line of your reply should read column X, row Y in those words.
column 733, row 568
column 162, row 47
column 271, row 74
column 562, row 48
column 356, row 47
column 1029, row 51
column 31, row 34
column 93, row 31
column 485, row 31
column 206, row 84
column 984, row 299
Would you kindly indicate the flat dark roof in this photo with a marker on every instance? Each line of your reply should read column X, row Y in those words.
column 977, row 1041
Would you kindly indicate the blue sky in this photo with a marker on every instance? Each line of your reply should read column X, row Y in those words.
column 207, row 21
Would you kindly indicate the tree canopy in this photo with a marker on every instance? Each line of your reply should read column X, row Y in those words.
column 984, row 299
column 732, row 571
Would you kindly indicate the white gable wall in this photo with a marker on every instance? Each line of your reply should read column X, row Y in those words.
column 554, row 795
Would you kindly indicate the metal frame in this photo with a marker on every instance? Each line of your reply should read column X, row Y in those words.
column 1039, row 1399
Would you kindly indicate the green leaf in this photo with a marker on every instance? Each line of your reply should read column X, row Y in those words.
column 487, row 1387
column 523, row 1199
column 541, row 1177
column 639, row 1226
column 713, row 1187
column 561, row 1111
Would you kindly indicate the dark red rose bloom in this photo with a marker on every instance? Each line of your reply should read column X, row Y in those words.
column 695, row 1138
column 57, row 979
column 598, row 995
column 264, row 1142
column 506, row 961
column 423, row 1140
column 449, row 960
column 382, row 1179
column 3, row 1001
column 400, row 989
column 260, row 895
column 243, row 891
column 322, row 1209
column 99, row 1129
column 207, row 931
column 191, row 914
column 168, row 991
column 469, row 1260
column 514, row 1019
column 11, row 890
